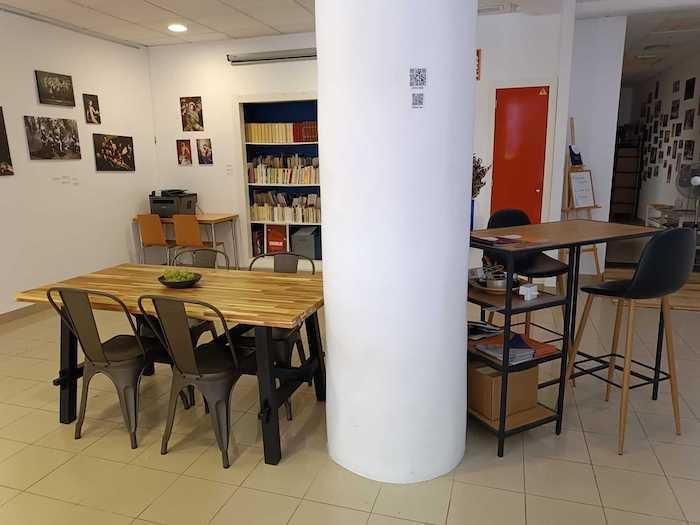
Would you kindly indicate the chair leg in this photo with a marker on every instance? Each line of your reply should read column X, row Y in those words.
column 175, row 391
column 300, row 351
column 212, row 331
column 528, row 316
column 288, row 408
column 127, row 382
column 573, row 347
column 561, row 290
column 616, row 338
column 190, row 395
column 624, row 398
column 670, row 354
column 218, row 397
column 88, row 373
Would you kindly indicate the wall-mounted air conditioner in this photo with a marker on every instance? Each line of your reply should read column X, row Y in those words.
column 495, row 7
column 267, row 57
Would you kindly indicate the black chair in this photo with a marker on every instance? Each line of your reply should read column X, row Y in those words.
column 664, row 267
column 532, row 266
column 121, row 358
column 213, row 368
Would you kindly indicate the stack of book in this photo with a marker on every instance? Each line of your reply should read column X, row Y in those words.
column 293, row 169
column 478, row 330
column 281, row 132
column 275, row 206
column 520, row 349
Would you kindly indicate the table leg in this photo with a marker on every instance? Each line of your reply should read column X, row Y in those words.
column 268, row 416
column 68, row 375
column 235, row 245
column 659, row 351
column 213, row 241
column 574, row 291
column 566, row 341
column 316, row 352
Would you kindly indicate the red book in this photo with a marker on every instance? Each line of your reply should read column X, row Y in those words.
column 276, row 238
column 296, row 132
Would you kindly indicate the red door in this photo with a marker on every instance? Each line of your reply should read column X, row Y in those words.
column 520, row 138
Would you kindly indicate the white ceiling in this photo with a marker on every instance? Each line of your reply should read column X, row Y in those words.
column 657, row 41
column 145, row 22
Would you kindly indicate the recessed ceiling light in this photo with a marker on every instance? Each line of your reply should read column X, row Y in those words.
column 177, row 28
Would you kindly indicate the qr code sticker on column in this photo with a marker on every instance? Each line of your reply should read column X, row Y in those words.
column 417, row 100
column 417, row 77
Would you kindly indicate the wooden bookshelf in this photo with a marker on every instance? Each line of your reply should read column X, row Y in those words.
column 264, row 235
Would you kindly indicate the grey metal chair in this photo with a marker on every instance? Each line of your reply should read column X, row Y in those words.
column 122, row 358
column 283, row 341
column 213, row 368
column 200, row 258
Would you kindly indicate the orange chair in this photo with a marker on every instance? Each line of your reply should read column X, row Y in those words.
column 188, row 233
column 151, row 234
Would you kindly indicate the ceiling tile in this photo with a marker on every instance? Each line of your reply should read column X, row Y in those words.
column 136, row 11
column 307, row 4
column 205, row 37
column 193, row 28
column 276, row 13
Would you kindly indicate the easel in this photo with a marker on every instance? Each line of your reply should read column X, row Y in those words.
column 569, row 211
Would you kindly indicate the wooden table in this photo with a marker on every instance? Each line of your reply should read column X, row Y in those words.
column 571, row 235
column 211, row 220
column 264, row 300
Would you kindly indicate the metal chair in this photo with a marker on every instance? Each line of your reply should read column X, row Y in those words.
column 664, row 267
column 201, row 258
column 283, row 341
column 532, row 266
column 213, row 368
column 122, row 358
column 188, row 233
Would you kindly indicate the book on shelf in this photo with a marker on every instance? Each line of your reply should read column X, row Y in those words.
column 281, row 132
column 480, row 330
column 275, row 206
column 276, row 238
column 290, row 169
column 521, row 348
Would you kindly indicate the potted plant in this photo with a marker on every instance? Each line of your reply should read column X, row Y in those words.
column 479, row 172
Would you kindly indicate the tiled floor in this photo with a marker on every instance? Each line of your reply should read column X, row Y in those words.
column 48, row 477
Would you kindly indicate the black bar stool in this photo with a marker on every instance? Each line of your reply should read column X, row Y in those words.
column 664, row 267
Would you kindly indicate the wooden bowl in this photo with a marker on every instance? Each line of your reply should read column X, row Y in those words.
column 180, row 284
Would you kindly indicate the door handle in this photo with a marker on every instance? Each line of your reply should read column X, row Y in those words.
column 537, row 190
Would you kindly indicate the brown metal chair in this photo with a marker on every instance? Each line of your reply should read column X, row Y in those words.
column 188, row 233
column 283, row 341
column 213, row 368
column 152, row 235
column 122, row 358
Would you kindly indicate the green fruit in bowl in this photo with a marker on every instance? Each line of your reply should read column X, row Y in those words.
column 178, row 275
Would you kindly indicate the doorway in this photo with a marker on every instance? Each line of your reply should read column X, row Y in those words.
column 519, row 149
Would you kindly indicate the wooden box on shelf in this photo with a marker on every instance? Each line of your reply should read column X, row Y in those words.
column 484, row 390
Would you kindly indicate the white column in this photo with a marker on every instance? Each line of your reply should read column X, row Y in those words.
column 396, row 184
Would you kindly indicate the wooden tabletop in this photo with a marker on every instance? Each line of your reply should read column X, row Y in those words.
column 205, row 218
column 279, row 300
column 560, row 234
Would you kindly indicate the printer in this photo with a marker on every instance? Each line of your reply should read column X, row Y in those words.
column 173, row 202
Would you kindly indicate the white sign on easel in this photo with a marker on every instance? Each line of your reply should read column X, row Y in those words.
column 582, row 189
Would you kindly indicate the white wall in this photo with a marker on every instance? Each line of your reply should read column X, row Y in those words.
column 517, row 50
column 54, row 228
column 202, row 70
column 595, row 96
column 656, row 189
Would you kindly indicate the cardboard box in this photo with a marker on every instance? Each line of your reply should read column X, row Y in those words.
column 484, row 390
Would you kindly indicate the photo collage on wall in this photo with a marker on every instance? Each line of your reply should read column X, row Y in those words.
column 57, row 138
column 192, row 116
column 669, row 130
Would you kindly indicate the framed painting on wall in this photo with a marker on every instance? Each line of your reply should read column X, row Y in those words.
column 689, row 89
column 204, row 152
column 52, row 138
column 55, row 89
column 191, row 113
column 184, row 152
column 113, row 152
column 5, row 159
column 91, row 106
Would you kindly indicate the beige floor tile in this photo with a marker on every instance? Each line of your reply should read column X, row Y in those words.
column 183, row 451
column 6, row 494
column 481, row 464
column 569, row 445
column 115, row 445
column 243, row 460
column 378, row 519
column 11, row 413
column 31, row 427
column 63, row 437
column 246, row 430
column 188, row 501
column 641, row 401
column 485, row 506
column 604, row 420
column 688, row 493
column 12, row 386
column 40, row 395
column 249, row 506
column 425, row 502
column 29, row 465
column 546, row 511
column 619, row 517
column 679, row 461
column 28, row 509
column 638, row 454
column 9, row 448
column 338, row 486
column 292, row 476
column 34, row 369
column 637, row 492
column 661, row 429
column 565, row 480
column 312, row 513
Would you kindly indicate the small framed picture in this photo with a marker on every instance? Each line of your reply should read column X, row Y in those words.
column 55, row 89
column 204, row 152
column 91, row 106
column 184, row 152
column 191, row 113
column 689, row 89
column 582, row 189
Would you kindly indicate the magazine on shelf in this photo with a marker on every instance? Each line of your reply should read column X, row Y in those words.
column 521, row 348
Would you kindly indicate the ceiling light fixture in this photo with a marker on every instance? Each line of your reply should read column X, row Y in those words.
column 177, row 28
